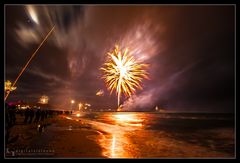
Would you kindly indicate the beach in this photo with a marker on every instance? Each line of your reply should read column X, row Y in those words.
column 125, row 135
column 54, row 140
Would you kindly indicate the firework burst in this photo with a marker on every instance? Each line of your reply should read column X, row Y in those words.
column 123, row 73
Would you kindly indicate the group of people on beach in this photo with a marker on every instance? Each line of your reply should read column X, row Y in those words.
column 39, row 114
column 31, row 115
column 10, row 115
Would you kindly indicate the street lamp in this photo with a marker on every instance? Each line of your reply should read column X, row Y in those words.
column 8, row 86
column 72, row 102
column 80, row 106
column 43, row 99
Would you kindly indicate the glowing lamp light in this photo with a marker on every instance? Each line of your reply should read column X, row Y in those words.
column 80, row 106
column 44, row 99
column 88, row 104
column 8, row 86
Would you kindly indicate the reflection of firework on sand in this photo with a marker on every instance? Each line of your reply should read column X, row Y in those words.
column 100, row 93
column 123, row 72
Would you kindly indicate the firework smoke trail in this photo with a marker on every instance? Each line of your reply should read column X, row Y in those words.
column 123, row 73
column 35, row 52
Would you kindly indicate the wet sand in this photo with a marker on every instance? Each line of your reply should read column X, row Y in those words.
column 61, row 138
column 124, row 135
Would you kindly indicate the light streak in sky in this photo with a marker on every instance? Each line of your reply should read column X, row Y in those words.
column 32, row 13
column 32, row 56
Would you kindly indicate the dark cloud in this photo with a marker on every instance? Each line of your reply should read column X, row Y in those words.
column 190, row 50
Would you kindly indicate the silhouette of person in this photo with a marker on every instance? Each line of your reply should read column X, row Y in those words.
column 12, row 116
column 31, row 114
column 7, row 115
column 38, row 113
column 8, row 123
column 46, row 114
column 27, row 111
column 42, row 115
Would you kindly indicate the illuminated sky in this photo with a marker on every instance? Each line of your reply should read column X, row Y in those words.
column 190, row 50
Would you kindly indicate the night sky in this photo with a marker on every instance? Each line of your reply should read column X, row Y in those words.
column 190, row 50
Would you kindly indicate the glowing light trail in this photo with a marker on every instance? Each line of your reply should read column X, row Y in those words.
column 35, row 52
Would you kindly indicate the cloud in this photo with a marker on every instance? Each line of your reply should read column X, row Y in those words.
column 51, row 77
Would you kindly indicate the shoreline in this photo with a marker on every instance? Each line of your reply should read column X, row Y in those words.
column 61, row 138
column 123, row 136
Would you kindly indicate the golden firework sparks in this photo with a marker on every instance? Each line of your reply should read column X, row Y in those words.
column 100, row 93
column 123, row 72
